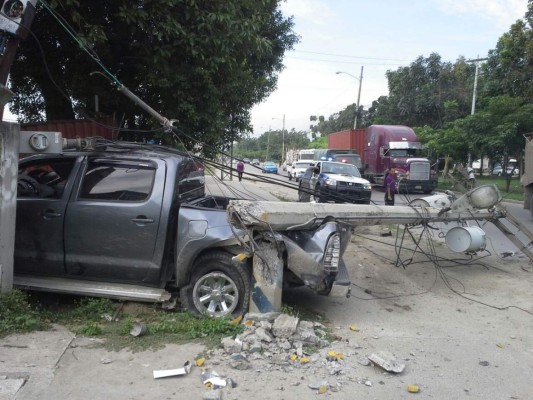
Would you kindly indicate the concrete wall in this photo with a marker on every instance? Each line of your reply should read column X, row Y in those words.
column 9, row 150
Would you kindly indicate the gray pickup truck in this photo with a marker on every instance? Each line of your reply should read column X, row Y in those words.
column 133, row 222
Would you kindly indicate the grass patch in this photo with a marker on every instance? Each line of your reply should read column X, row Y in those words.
column 516, row 190
column 109, row 320
column 19, row 314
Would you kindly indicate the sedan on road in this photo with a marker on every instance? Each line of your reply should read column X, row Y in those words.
column 270, row 167
column 334, row 181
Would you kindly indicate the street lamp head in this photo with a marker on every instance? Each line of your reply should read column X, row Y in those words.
column 338, row 72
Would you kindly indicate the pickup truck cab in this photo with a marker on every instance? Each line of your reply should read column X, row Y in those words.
column 133, row 222
column 334, row 181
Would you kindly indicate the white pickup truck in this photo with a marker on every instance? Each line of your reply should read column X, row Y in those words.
column 297, row 169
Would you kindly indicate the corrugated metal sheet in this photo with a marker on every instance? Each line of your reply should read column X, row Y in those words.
column 79, row 128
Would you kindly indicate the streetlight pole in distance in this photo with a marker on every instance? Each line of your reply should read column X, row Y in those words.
column 360, row 79
column 282, row 140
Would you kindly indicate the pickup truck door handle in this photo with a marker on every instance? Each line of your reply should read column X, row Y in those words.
column 47, row 214
column 141, row 219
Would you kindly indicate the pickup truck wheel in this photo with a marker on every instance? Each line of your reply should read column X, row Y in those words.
column 290, row 177
column 317, row 195
column 217, row 287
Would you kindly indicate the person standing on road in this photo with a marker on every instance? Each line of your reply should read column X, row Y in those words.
column 240, row 169
column 390, row 187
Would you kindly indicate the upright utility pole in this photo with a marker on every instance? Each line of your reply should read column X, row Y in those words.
column 15, row 19
column 358, row 99
column 473, row 110
column 283, row 141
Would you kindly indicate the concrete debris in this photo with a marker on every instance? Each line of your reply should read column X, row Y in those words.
column 318, row 385
column 285, row 326
column 231, row 346
column 263, row 335
column 257, row 317
column 240, row 362
column 387, row 361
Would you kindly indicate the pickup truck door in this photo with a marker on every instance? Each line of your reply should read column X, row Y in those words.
column 44, row 184
column 111, row 225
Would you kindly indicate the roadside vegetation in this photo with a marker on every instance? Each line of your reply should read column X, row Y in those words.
column 516, row 190
column 113, row 321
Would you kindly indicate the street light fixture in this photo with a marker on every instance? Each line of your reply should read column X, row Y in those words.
column 360, row 79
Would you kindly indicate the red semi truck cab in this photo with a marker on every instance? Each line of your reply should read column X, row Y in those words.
column 389, row 146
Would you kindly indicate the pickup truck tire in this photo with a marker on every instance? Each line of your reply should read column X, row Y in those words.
column 290, row 177
column 217, row 287
column 318, row 195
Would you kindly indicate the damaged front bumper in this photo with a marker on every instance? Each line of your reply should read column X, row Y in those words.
column 315, row 257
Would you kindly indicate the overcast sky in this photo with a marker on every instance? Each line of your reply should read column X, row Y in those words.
column 380, row 35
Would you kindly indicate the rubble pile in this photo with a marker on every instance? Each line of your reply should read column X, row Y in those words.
column 276, row 341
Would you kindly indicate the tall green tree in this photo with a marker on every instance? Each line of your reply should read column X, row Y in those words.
column 418, row 92
column 204, row 63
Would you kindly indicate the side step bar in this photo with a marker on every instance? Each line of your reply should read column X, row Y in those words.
column 92, row 288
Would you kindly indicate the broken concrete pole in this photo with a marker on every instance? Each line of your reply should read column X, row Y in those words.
column 267, row 278
column 285, row 216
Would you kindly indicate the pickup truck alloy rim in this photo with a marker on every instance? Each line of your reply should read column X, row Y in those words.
column 216, row 294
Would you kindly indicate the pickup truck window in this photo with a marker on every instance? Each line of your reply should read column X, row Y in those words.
column 110, row 181
column 44, row 178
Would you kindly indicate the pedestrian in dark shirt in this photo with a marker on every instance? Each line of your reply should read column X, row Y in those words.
column 240, row 169
column 390, row 187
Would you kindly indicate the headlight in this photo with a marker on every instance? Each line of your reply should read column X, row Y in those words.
column 331, row 182
column 367, row 186
column 332, row 254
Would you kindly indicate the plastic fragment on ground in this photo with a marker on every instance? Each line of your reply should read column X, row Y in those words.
column 200, row 362
column 304, row 360
column 354, row 328
column 413, row 388
column 165, row 373
column 236, row 320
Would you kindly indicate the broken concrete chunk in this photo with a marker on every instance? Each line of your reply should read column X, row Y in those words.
column 238, row 361
column 269, row 316
column 231, row 346
column 263, row 335
column 285, row 326
column 266, row 324
column 387, row 361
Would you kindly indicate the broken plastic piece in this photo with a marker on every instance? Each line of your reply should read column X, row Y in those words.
column 236, row 320
column 200, row 362
column 413, row 388
column 165, row 373
column 354, row 328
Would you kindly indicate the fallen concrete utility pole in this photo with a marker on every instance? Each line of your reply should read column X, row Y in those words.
column 478, row 204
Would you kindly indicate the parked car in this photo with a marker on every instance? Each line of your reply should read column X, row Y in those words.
column 255, row 161
column 297, row 169
column 334, row 181
column 246, row 160
column 498, row 170
column 270, row 167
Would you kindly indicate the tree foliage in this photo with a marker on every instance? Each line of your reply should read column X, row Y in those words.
column 204, row 63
